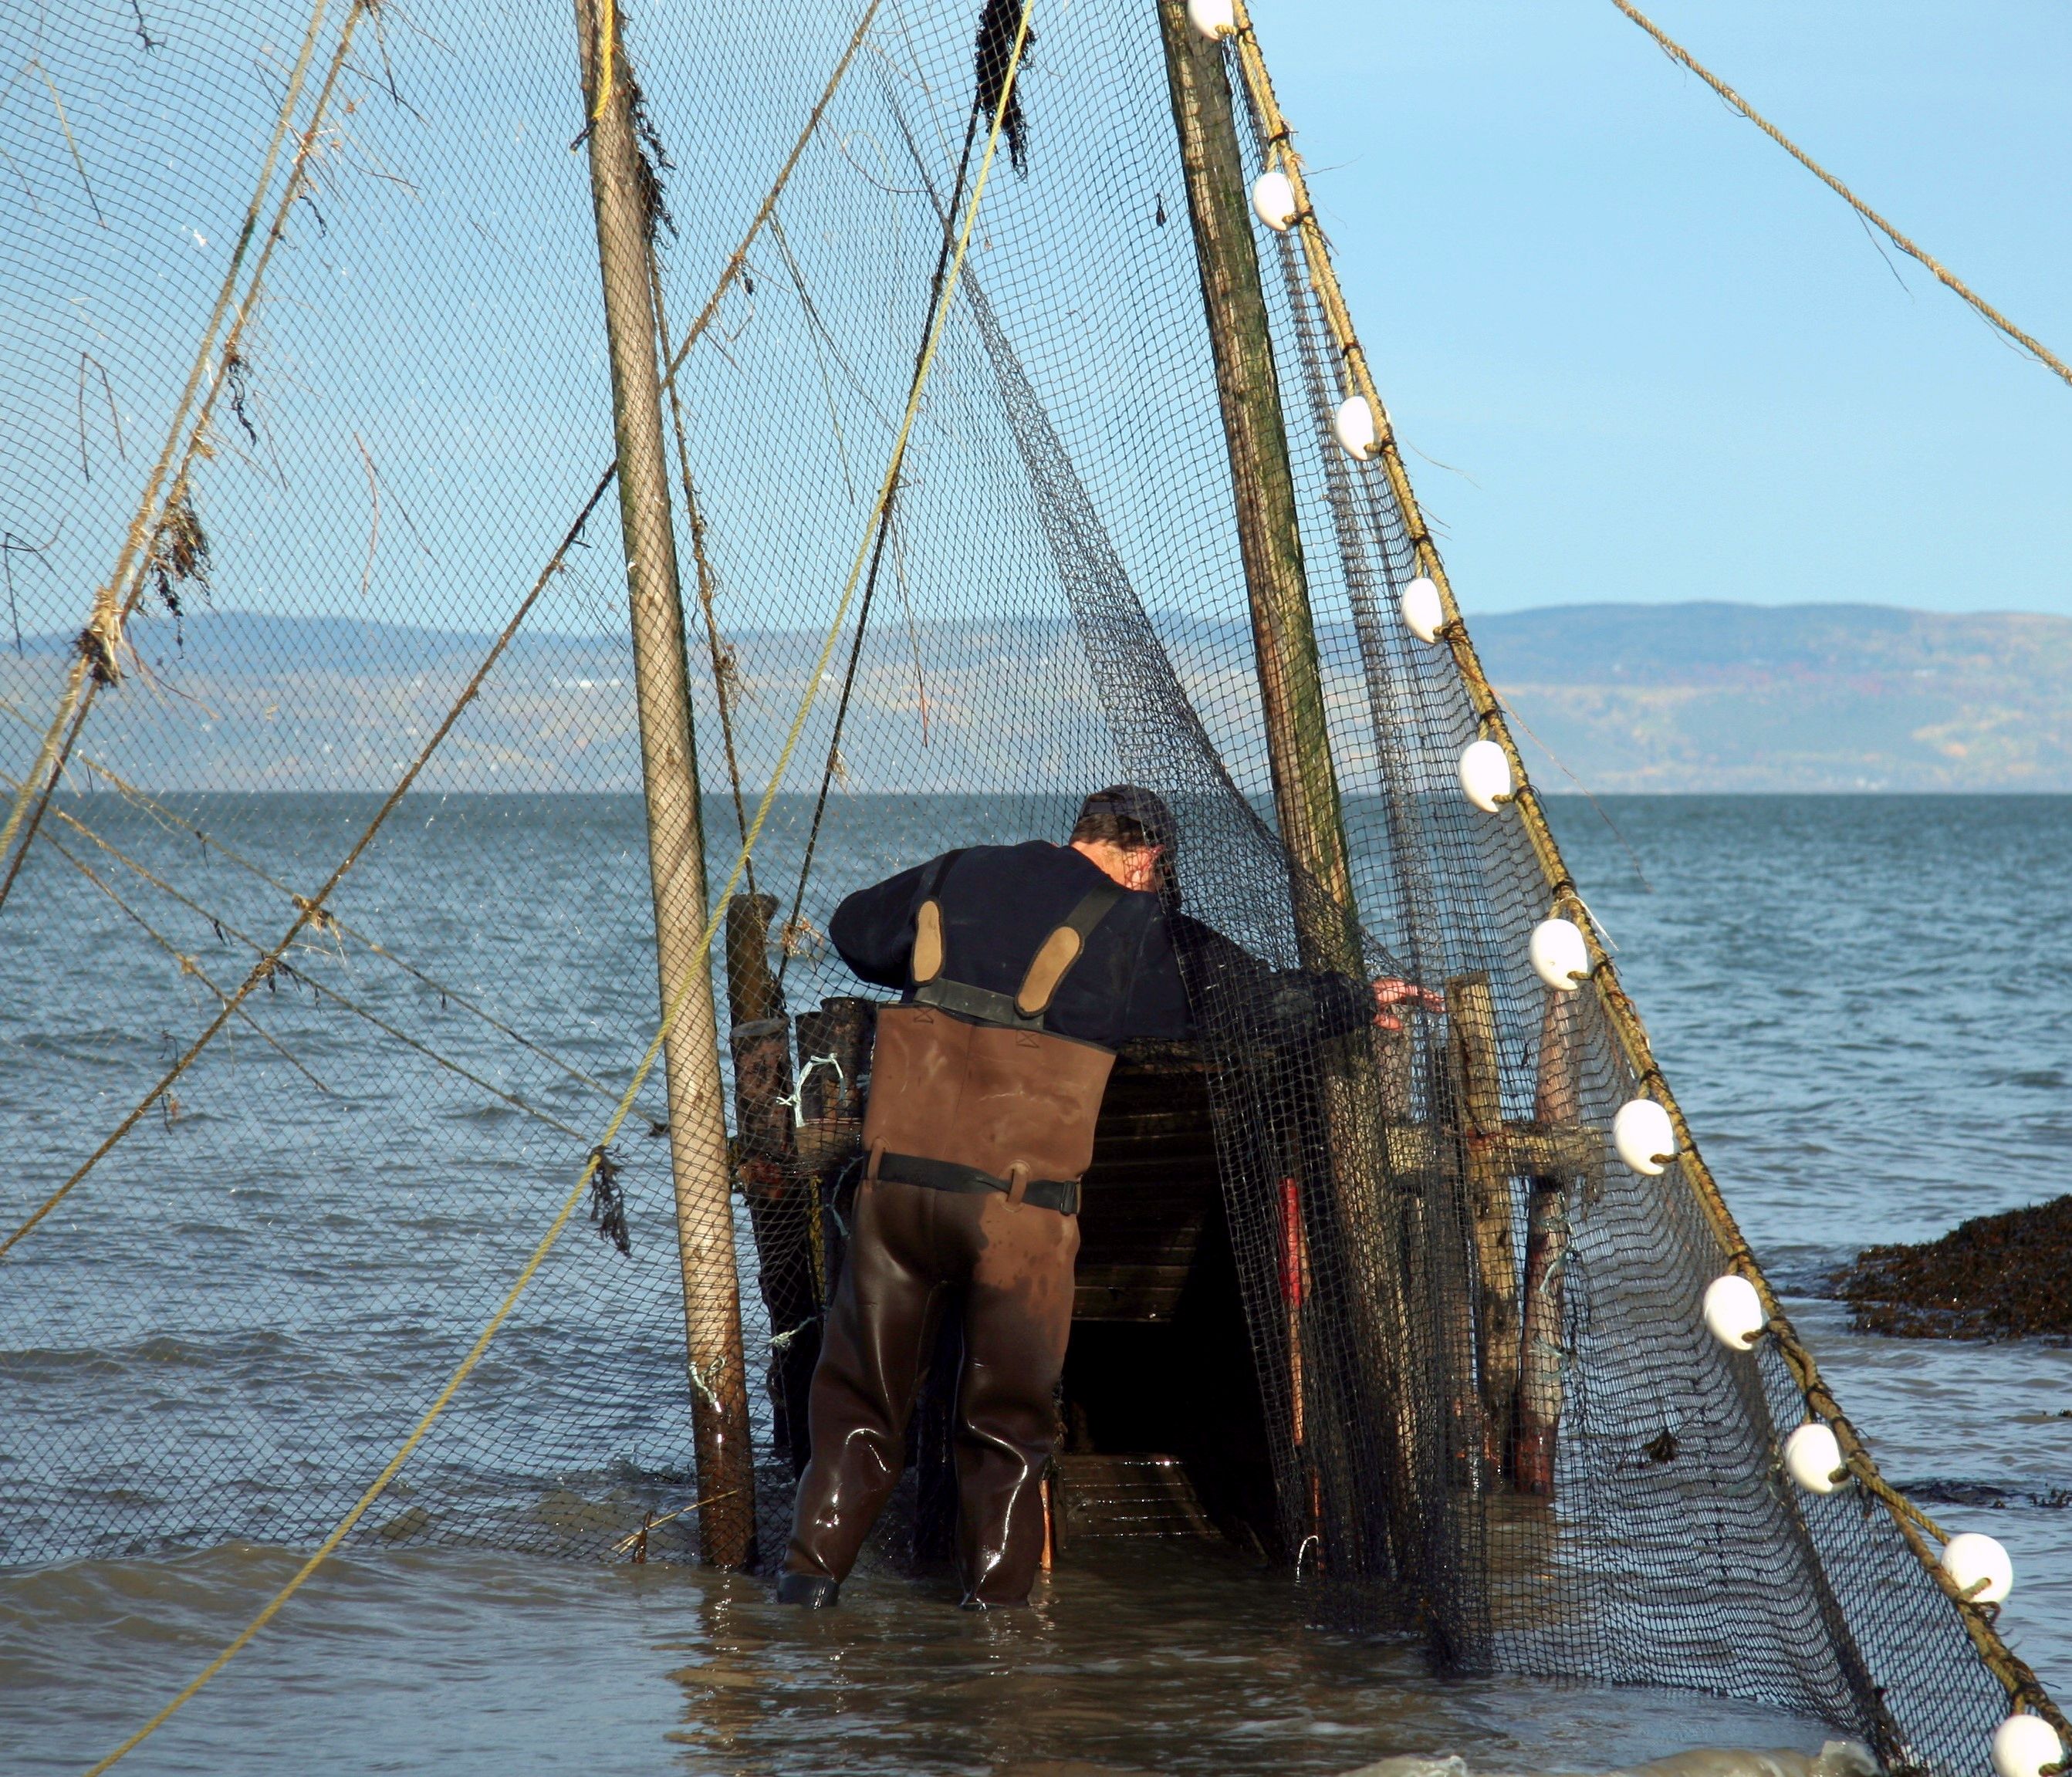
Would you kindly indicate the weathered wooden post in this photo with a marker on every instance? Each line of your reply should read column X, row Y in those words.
column 778, row 1191
column 1486, row 1163
column 1305, row 787
column 834, row 1053
column 1557, row 1105
column 675, row 854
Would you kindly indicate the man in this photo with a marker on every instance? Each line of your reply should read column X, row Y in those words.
column 1024, row 968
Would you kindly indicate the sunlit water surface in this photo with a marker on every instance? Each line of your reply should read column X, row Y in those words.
column 1867, row 1005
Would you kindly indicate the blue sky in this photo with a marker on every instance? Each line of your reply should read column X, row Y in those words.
column 1671, row 362
column 1665, row 362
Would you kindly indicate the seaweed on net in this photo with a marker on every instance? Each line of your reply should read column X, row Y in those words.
column 607, row 1200
column 180, row 554
column 993, row 54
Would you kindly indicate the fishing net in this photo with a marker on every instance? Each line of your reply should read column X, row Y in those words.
column 306, row 375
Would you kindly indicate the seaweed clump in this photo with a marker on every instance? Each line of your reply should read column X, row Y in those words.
column 1996, row 1277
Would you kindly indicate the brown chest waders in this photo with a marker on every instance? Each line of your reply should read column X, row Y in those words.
column 979, row 1124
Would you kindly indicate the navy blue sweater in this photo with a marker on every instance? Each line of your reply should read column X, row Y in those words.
column 1146, row 971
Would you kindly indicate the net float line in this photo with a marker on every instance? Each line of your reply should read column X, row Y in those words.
column 2020, row 1683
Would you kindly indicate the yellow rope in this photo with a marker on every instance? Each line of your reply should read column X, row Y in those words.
column 1676, row 52
column 729, row 274
column 679, row 996
column 608, row 34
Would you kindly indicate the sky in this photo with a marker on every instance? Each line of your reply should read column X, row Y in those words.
column 1635, row 351
column 1661, row 361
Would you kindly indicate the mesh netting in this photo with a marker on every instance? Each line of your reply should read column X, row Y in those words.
column 346, row 425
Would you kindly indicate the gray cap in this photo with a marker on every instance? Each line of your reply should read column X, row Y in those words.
column 1143, row 807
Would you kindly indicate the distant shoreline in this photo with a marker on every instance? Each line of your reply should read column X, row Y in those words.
column 1696, row 699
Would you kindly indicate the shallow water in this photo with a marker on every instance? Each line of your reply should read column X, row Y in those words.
column 1867, row 1005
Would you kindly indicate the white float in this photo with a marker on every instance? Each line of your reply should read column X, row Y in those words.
column 2024, row 1744
column 1213, row 18
column 1273, row 201
column 1733, row 1311
column 1812, row 1456
column 1560, row 956
column 1972, row 1559
column 1643, row 1136
column 1354, row 427
column 1424, row 614
column 1485, row 775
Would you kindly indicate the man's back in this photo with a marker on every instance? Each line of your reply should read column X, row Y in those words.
column 999, row 904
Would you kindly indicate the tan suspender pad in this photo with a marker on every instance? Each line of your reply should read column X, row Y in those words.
column 1061, row 949
column 928, row 943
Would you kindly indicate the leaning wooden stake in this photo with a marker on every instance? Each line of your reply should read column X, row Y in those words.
column 778, row 1191
column 1306, row 786
column 1291, row 680
column 698, row 1113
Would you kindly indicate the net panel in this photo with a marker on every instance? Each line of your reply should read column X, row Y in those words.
column 283, row 1260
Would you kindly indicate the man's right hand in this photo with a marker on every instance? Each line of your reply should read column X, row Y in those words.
column 1388, row 993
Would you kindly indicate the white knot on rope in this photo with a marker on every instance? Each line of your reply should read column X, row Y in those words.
column 706, row 1389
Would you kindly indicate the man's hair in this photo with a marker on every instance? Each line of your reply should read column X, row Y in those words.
column 1124, row 815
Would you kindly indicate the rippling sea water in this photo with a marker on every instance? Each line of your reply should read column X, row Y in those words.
column 1866, row 1004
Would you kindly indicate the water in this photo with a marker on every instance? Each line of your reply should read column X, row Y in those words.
column 1867, row 1004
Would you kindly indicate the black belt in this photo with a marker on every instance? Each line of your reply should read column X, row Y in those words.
column 1061, row 1195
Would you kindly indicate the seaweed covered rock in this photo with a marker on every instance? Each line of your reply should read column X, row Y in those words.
column 1996, row 1277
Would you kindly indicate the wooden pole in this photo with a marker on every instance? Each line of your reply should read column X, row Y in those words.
column 1291, row 683
column 1305, row 787
column 675, row 852
column 1478, row 1101
column 778, row 1191
column 1557, row 1103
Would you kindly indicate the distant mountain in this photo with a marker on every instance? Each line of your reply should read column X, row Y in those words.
column 1795, row 697
column 1625, row 697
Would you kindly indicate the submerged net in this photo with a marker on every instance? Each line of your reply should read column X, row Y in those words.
column 1483, row 1401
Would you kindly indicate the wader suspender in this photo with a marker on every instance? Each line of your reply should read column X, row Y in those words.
column 1027, row 1009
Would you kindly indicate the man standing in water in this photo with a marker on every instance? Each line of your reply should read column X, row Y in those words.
column 1024, row 969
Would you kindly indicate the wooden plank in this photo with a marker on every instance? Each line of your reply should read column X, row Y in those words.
column 1129, row 1292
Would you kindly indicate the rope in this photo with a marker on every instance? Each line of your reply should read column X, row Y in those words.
column 142, row 799
column 1676, row 52
column 678, row 997
column 328, row 1546
column 308, row 910
column 102, row 638
column 2020, row 1682
column 188, row 965
column 608, row 33
column 728, row 273
column 315, row 986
